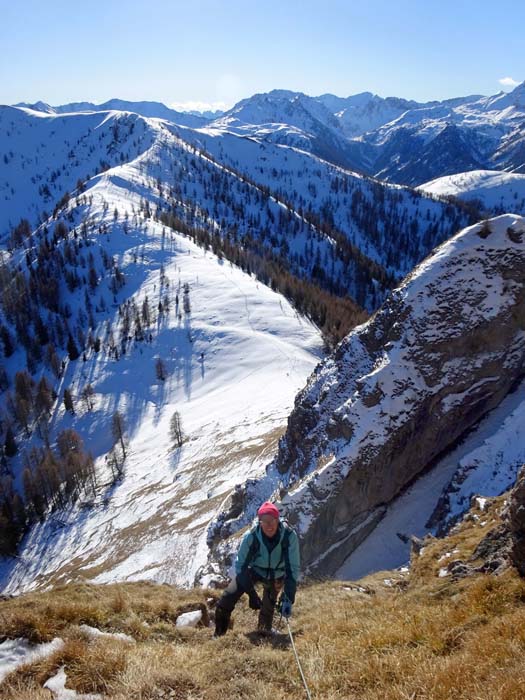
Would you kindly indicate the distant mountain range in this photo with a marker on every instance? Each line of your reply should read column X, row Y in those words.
column 391, row 138
column 145, row 109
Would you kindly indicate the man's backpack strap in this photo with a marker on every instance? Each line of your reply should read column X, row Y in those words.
column 285, row 544
column 254, row 546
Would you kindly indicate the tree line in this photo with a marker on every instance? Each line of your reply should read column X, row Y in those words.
column 334, row 315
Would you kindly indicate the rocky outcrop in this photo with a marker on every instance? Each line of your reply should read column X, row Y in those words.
column 502, row 546
column 516, row 522
column 444, row 349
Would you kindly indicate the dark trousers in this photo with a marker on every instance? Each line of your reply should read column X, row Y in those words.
column 245, row 583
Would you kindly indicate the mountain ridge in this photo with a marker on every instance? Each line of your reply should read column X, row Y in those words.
column 358, row 131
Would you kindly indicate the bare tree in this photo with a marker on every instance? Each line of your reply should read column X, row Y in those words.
column 115, row 464
column 145, row 312
column 186, row 299
column 44, row 398
column 43, row 429
column 87, row 396
column 176, row 429
column 69, row 441
column 118, row 429
column 22, row 412
column 53, row 361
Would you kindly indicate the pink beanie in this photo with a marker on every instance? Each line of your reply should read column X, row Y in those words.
column 268, row 508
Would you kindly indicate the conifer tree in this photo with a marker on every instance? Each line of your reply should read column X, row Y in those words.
column 72, row 349
column 68, row 401
column 10, row 445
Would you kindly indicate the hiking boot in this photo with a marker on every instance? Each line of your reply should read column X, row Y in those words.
column 265, row 621
column 222, row 621
column 255, row 601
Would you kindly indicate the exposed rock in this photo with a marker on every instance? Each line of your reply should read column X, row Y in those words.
column 416, row 546
column 458, row 569
column 505, row 544
column 490, row 468
column 444, row 349
column 516, row 520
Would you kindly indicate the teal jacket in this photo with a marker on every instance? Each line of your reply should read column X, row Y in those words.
column 280, row 561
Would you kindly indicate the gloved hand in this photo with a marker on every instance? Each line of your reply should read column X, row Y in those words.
column 286, row 607
column 255, row 601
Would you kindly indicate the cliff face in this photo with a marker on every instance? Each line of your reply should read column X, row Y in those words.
column 445, row 348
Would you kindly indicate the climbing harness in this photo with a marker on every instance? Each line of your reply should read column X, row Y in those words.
column 297, row 659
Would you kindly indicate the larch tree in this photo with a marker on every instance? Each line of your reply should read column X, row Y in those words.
column 118, row 430
column 176, row 429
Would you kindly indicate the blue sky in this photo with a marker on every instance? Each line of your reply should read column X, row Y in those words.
column 217, row 52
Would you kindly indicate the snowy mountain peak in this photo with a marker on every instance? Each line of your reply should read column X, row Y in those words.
column 38, row 107
column 505, row 100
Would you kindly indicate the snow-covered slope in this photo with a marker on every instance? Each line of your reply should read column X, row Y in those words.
column 394, row 139
column 444, row 138
column 390, row 138
column 391, row 225
column 291, row 119
column 44, row 156
column 322, row 219
column 365, row 112
column 233, row 365
column 498, row 192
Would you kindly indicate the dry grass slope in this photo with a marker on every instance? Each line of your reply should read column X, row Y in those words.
column 394, row 636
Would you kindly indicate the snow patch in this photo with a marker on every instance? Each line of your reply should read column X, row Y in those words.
column 57, row 685
column 93, row 632
column 189, row 619
column 17, row 652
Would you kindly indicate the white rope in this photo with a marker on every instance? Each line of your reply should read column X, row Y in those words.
column 297, row 659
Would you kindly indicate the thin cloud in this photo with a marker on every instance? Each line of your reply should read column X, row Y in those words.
column 508, row 82
column 194, row 106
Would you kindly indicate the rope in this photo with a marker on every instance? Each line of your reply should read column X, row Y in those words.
column 297, row 659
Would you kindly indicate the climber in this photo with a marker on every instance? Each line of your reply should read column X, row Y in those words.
column 269, row 555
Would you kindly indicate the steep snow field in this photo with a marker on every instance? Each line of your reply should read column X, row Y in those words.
column 234, row 365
